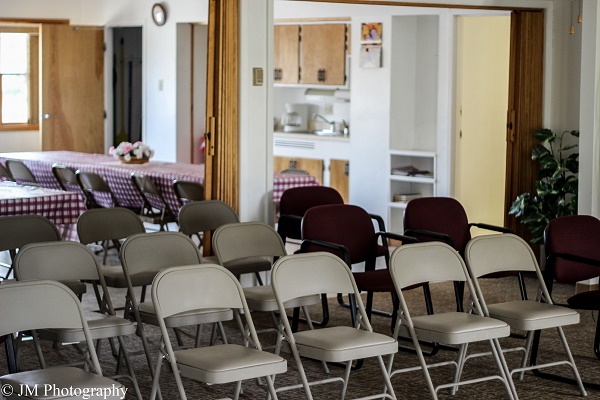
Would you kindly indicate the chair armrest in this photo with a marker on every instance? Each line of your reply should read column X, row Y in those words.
column 403, row 238
column 434, row 235
column 491, row 227
column 379, row 220
column 343, row 250
column 573, row 257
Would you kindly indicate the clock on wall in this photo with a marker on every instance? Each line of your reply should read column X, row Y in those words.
column 159, row 15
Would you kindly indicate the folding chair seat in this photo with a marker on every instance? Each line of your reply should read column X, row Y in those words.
column 73, row 261
column 437, row 262
column 200, row 217
column 30, row 306
column 348, row 232
column 148, row 253
column 312, row 274
column 19, row 230
column 498, row 253
column 20, row 172
column 187, row 191
column 154, row 208
column 184, row 289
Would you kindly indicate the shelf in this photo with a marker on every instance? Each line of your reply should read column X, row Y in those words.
column 412, row 153
column 414, row 179
column 397, row 204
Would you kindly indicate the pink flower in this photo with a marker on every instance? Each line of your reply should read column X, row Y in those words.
column 111, row 150
column 127, row 148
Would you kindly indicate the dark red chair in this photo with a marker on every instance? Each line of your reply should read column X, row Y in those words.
column 444, row 219
column 572, row 247
column 348, row 232
column 296, row 201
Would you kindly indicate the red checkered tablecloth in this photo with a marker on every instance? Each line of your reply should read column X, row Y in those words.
column 116, row 174
column 60, row 207
column 282, row 182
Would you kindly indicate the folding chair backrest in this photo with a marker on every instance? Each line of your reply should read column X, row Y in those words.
column 246, row 239
column 577, row 235
column 19, row 230
column 66, row 177
column 99, row 224
column 56, row 261
column 38, row 304
column 438, row 214
column 5, row 174
column 193, row 287
column 205, row 215
column 188, row 191
column 156, row 251
column 343, row 224
column 96, row 189
column 19, row 171
column 499, row 253
column 418, row 263
column 311, row 273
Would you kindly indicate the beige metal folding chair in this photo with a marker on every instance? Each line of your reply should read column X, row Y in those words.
column 154, row 208
column 147, row 254
column 5, row 174
column 66, row 178
column 434, row 262
column 30, row 306
column 20, row 172
column 181, row 290
column 500, row 253
column 187, row 191
column 73, row 261
column 315, row 273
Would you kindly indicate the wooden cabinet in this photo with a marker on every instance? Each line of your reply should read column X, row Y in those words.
column 287, row 53
column 313, row 166
column 339, row 177
column 323, row 54
column 310, row 54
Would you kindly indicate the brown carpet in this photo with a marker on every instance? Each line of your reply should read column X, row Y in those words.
column 367, row 380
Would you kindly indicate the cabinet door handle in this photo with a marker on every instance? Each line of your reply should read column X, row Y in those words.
column 321, row 75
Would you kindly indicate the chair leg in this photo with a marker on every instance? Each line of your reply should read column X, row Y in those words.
column 10, row 354
column 123, row 350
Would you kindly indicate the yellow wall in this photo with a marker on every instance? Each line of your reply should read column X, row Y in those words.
column 482, row 98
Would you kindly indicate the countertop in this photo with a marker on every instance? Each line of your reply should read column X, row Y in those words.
column 309, row 136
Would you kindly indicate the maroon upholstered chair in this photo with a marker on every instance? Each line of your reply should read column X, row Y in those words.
column 296, row 201
column 573, row 255
column 444, row 219
column 348, row 232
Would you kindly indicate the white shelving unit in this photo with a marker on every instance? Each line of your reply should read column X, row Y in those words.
column 407, row 184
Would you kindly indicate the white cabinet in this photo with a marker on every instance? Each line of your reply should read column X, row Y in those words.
column 412, row 174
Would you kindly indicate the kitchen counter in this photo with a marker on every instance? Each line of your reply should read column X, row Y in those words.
column 309, row 137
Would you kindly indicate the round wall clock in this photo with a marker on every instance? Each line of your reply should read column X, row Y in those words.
column 159, row 15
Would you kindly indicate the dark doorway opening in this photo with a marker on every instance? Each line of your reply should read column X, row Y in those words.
column 127, row 85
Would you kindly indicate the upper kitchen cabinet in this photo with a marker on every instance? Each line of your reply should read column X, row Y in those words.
column 310, row 54
column 323, row 54
column 287, row 52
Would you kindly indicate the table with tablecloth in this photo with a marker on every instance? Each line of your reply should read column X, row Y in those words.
column 115, row 173
column 58, row 206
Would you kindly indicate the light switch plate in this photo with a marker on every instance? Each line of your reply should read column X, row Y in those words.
column 257, row 76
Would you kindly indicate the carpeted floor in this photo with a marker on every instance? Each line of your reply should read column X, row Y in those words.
column 367, row 380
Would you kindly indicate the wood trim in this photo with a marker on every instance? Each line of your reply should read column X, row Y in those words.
column 222, row 115
column 424, row 5
column 525, row 108
column 35, row 21
column 19, row 127
column 341, row 20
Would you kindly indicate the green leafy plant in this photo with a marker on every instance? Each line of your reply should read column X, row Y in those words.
column 555, row 190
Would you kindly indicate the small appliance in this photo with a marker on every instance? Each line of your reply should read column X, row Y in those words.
column 295, row 118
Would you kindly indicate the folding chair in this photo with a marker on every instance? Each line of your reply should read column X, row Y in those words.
column 154, row 208
column 73, row 261
column 147, row 254
column 96, row 190
column 180, row 290
column 29, row 306
column 5, row 174
column 66, row 178
column 20, row 172
column 187, row 191
column 433, row 262
column 315, row 273
column 500, row 253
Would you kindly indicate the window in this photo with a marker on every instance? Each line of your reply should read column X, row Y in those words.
column 19, row 78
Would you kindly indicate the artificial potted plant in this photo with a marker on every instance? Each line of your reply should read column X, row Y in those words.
column 556, row 189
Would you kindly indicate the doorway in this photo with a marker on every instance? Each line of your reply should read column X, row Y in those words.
column 482, row 82
column 127, row 84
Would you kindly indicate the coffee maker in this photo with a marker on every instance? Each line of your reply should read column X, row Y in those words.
column 295, row 118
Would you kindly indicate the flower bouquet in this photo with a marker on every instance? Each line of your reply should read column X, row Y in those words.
column 128, row 153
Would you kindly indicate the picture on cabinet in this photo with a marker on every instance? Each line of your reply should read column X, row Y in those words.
column 370, row 57
column 371, row 33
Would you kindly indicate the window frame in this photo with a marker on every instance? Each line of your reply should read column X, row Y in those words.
column 33, row 79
